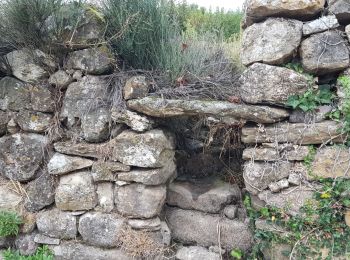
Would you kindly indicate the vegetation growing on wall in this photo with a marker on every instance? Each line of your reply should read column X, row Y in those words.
column 9, row 223
column 42, row 253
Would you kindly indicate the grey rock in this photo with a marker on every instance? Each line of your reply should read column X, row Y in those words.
column 347, row 31
column 279, row 185
column 150, row 177
column 230, row 211
column 25, row 244
column 35, row 122
column 107, row 171
column 77, row 75
column 166, row 233
column 270, row 227
column 5, row 243
column 136, row 87
column 80, row 149
column 60, row 79
column 92, row 61
column 84, row 96
column 14, row 94
column 21, row 155
column 159, row 107
column 139, row 201
column 295, row 179
column 320, row 25
column 78, row 251
column 262, row 83
column 277, row 251
column 207, row 197
column 96, row 125
column 12, row 127
column 152, row 224
column 196, row 253
column 102, row 230
column 273, row 41
column 76, row 191
column 321, row 113
column 40, row 192
column 57, row 224
column 9, row 199
column 154, row 148
column 60, row 164
column 341, row 9
column 299, row 133
column 46, row 240
column 135, row 121
column 188, row 226
column 105, row 196
column 277, row 152
column 324, row 53
column 4, row 119
column 42, row 99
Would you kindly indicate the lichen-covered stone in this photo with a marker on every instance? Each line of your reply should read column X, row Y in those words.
column 154, row 148
column 273, row 41
column 135, row 121
column 105, row 196
column 288, row 152
column 262, row 83
column 57, row 224
column 102, row 230
column 60, row 79
column 46, row 240
column 196, row 252
column 320, row 25
column 324, row 53
column 341, row 9
column 35, row 122
column 279, row 185
column 81, row 149
column 93, row 61
column 76, row 191
column 60, row 164
column 96, row 125
column 159, row 107
column 25, row 244
column 136, row 87
column 107, row 171
column 309, row 117
column 14, row 94
column 21, row 155
column 42, row 99
column 139, row 201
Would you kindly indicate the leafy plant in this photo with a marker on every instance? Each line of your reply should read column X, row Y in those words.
column 42, row 253
column 9, row 223
column 236, row 254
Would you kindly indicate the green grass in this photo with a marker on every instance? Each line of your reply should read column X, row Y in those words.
column 9, row 223
column 42, row 253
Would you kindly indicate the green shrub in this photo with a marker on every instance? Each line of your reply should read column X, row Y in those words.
column 42, row 253
column 9, row 223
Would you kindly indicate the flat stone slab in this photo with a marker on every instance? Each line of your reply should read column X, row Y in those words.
column 277, row 153
column 60, row 164
column 46, row 240
column 196, row 252
column 158, row 107
column 320, row 25
column 107, row 170
column 81, row 149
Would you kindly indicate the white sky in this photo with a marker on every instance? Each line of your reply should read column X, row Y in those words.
column 227, row 4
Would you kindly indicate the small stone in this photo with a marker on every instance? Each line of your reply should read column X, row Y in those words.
column 230, row 211
column 166, row 233
column 294, row 179
column 25, row 244
column 135, row 121
column 320, row 25
column 46, row 240
column 153, row 224
column 35, row 122
column 60, row 79
column 76, row 191
column 107, row 171
column 29, row 223
column 57, row 224
column 61, row 164
column 77, row 75
column 319, row 115
column 136, row 87
column 196, row 252
column 12, row 127
column 279, row 185
column 96, row 125
column 105, row 196
column 217, row 250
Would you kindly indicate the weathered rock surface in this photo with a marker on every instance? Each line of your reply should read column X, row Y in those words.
column 158, row 107
column 46, row 240
column 258, row 175
column 152, row 224
column 81, row 149
column 79, row 251
column 347, row 31
column 21, row 155
column 57, row 224
column 277, row 251
column 60, row 79
column 105, row 195
column 135, row 121
column 61, row 164
column 96, row 125
column 92, row 61
column 154, row 148
column 231, row 211
column 273, row 41
column 286, row 152
column 30, row 66
column 14, row 94
column 25, row 244
column 331, row 162
column 35, row 122
column 341, row 9
column 190, row 226
column 317, row 133
column 210, row 196
column 257, row 10
column 320, row 25
column 4, row 119
column 196, row 253
column 292, row 199
column 136, row 87
column 76, row 191
column 9, row 199
column 279, row 185
column 40, row 192
column 100, row 229
column 262, row 83
column 42, row 99
column 107, row 171
column 84, row 96
column 139, row 201
column 299, row 116
column 152, row 176
column 324, row 53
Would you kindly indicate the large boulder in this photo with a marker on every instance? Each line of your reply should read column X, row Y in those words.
column 57, row 224
column 317, row 133
column 262, row 83
column 154, row 148
column 35, row 122
column 257, row 10
column 61, row 164
column 102, row 230
column 274, row 41
column 188, row 227
column 14, row 94
column 21, row 155
column 320, row 25
column 96, row 125
column 341, row 9
column 139, row 201
column 225, row 111
column 324, row 53
column 76, row 191
column 93, row 61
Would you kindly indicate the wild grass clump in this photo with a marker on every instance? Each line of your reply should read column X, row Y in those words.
column 9, row 223
column 42, row 253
